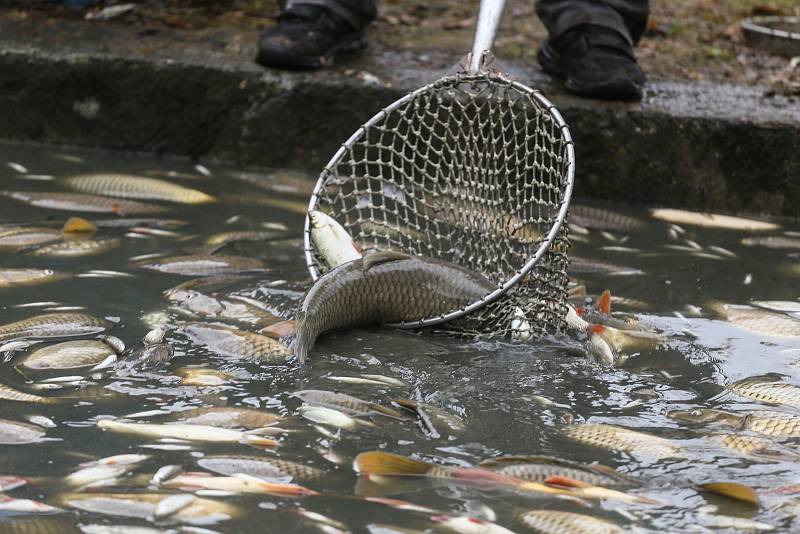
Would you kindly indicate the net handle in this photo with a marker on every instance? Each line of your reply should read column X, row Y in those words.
column 489, row 15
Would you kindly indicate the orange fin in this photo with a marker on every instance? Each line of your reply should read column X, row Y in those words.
column 604, row 302
column 732, row 490
column 567, row 482
column 78, row 225
column 384, row 463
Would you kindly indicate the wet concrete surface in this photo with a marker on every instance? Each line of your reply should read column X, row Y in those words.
column 198, row 94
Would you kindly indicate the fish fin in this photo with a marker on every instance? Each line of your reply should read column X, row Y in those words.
column 577, row 293
column 606, row 470
column 78, row 225
column 374, row 258
column 603, row 303
column 566, row 482
column 732, row 490
column 384, row 463
column 389, row 412
column 257, row 440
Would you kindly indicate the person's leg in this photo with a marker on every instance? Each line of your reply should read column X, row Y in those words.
column 590, row 45
column 310, row 33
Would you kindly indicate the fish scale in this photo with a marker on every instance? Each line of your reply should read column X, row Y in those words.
column 200, row 265
column 39, row 525
column 558, row 522
column 259, row 467
column 775, row 424
column 621, row 439
column 236, row 343
column 136, row 187
column 384, row 288
column 77, row 248
column 770, row 392
column 83, row 203
column 9, row 393
column 53, row 325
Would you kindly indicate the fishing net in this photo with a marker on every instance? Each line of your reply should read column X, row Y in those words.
column 474, row 169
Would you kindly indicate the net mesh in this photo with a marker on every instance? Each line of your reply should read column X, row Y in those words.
column 472, row 169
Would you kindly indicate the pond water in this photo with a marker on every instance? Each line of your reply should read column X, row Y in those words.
column 485, row 399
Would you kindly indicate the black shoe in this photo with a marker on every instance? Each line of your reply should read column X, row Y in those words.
column 595, row 61
column 307, row 37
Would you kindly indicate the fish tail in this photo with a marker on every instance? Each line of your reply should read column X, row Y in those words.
column 384, row 463
column 604, row 302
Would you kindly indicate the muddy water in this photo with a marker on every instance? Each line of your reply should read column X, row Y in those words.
column 512, row 399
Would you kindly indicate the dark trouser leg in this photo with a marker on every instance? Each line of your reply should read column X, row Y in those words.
column 359, row 13
column 627, row 17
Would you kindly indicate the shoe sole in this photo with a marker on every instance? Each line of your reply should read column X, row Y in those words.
column 349, row 44
column 614, row 89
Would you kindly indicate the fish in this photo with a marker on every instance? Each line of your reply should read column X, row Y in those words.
column 468, row 525
column 136, row 187
column 578, row 265
column 712, row 220
column 11, row 394
column 223, row 239
column 267, row 468
column 225, row 309
column 52, row 325
column 280, row 329
column 345, row 403
column 757, row 320
column 330, row 417
column 28, row 506
column 754, row 445
column 204, row 377
column 148, row 222
column 236, row 343
column 40, row 525
column 331, row 241
column 83, row 203
column 429, row 415
column 620, row 439
column 164, row 473
column 22, row 277
column 602, row 219
column 777, row 241
column 228, row 417
column 540, row 468
column 76, row 248
column 559, row 522
column 208, row 284
column 781, row 306
column 765, row 422
column 17, row 433
column 143, row 505
column 26, row 236
column 238, row 483
column 10, row 482
column 383, row 464
column 183, row 431
column 199, row 265
column 765, row 389
column 69, row 355
column 384, row 287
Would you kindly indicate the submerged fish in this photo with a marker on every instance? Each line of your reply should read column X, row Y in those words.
column 205, row 265
column 602, row 219
column 777, row 241
column 75, row 248
column 144, row 505
column 9, row 393
column 711, row 220
column 345, row 403
column 745, row 444
column 331, row 240
column 240, row 310
column 41, row 525
column 384, row 287
column 589, row 266
column 765, row 389
column 228, row 417
column 263, row 467
column 17, row 433
column 764, row 422
column 188, row 432
column 236, row 343
column 53, row 325
column 758, row 320
column 153, row 353
column 468, row 525
column 204, row 377
column 83, row 203
column 137, row 187
column 620, row 439
column 540, row 468
column 26, row 236
column 558, row 522
column 20, row 277
column 140, row 222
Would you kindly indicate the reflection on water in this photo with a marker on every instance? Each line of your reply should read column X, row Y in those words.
column 480, row 399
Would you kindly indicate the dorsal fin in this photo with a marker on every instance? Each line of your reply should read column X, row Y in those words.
column 375, row 258
column 603, row 304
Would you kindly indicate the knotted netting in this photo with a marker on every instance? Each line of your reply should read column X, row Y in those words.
column 473, row 169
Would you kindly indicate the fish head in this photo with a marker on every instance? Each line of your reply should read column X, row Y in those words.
column 698, row 415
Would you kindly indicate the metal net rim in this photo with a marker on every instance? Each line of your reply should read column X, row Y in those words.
column 485, row 77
